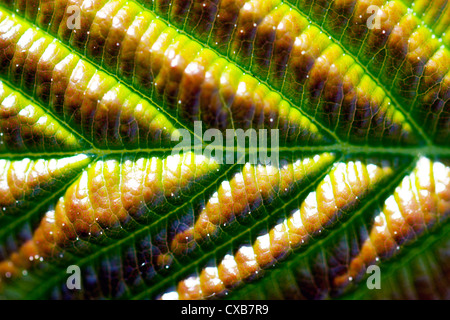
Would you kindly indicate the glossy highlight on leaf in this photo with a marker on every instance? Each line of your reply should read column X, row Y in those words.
column 90, row 115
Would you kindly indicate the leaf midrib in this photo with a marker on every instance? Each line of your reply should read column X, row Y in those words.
column 428, row 149
column 434, row 151
column 441, row 150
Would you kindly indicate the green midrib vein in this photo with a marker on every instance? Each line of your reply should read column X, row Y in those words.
column 340, row 146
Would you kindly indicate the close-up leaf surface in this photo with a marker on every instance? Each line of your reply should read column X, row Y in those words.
column 95, row 96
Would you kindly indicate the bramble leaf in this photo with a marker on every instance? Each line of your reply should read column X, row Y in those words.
column 96, row 96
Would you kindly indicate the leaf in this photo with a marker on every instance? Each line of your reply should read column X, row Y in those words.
column 90, row 117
